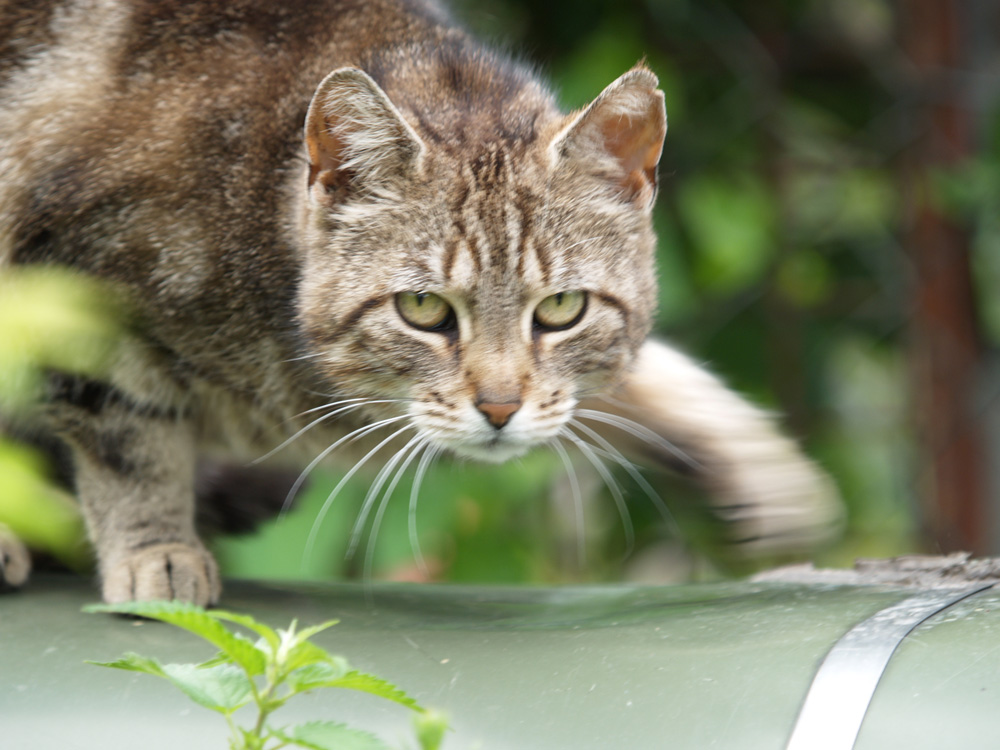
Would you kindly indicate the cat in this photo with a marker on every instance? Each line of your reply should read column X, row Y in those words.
column 355, row 218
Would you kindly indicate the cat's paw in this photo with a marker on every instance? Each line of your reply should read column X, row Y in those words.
column 163, row 571
column 778, row 504
column 15, row 561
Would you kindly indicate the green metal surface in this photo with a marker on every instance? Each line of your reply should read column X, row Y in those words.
column 942, row 687
column 689, row 667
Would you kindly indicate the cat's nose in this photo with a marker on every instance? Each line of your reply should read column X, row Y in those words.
column 498, row 414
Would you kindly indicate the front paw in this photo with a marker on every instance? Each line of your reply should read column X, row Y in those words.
column 163, row 571
column 778, row 504
column 15, row 561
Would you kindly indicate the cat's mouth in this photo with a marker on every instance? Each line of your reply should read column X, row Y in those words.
column 497, row 448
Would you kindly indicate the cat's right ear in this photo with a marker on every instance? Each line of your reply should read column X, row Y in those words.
column 619, row 136
column 355, row 137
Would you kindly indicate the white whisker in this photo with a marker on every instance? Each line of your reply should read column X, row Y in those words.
column 318, row 420
column 610, row 483
column 328, row 406
column 411, row 522
column 377, row 522
column 314, row 355
column 340, row 485
column 351, row 436
column 361, row 401
column 581, row 546
column 641, row 432
column 376, row 488
column 321, row 394
column 633, row 472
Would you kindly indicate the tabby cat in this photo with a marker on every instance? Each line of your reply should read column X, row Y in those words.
column 418, row 242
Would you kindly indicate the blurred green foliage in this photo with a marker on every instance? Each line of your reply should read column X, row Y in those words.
column 49, row 319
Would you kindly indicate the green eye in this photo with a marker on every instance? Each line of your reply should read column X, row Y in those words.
column 560, row 311
column 425, row 311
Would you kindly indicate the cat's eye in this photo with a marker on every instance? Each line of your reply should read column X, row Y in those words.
column 560, row 311
column 425, row 311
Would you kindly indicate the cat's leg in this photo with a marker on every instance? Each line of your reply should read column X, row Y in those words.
column 773, row 498
column 15, row 561
column 134, row 474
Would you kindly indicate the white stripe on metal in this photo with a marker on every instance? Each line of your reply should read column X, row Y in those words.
column 838, row 699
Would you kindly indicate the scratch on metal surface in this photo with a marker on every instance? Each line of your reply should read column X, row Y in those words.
column 968, row 666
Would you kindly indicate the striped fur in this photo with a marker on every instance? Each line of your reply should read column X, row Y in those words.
column 260, row 180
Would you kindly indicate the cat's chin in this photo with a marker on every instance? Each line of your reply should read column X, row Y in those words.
column 494, row 452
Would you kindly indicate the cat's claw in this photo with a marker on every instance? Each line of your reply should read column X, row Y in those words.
column 15, row 561
column 163, row 571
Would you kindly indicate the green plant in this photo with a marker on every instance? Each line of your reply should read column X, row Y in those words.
column 267, row 672
column 50, row 320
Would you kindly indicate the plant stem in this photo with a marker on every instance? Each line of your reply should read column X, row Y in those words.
column 262, row 699
column 236, row 742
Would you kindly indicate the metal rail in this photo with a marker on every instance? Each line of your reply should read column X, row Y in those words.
column 842, row 689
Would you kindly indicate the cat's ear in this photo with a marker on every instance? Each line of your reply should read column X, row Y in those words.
column 355, row 137
column 626, row 123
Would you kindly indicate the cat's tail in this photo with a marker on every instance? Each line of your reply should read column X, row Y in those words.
column 772, row 499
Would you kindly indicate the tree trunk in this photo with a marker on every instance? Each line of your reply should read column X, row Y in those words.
column 946, row 348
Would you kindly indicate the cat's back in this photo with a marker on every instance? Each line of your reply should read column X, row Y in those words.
column 73, row 52
column 159, row 118
column 159, row 144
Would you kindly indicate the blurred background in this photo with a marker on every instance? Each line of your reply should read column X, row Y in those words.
column 829, row 225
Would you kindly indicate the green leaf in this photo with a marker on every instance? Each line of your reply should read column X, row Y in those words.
column 223, row 688
column 268, row 634
column 329, row 735
column 331, row 675
column 219, row 658
column 195, row 620
column 53, row 319
column 312, row 630
column 369, row 683
column 306, row 654
column 133, row 663
column 314, row 676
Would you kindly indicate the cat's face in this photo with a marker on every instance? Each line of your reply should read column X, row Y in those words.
column 488, row 290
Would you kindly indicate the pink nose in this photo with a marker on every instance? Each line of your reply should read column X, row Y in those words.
column 498, row 414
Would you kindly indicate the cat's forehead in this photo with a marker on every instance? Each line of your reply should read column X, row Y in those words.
column 476, row 175
column 506, row 261
column 494, row 220
column 517, row 240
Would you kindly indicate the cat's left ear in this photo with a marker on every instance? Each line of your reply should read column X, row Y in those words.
column 355, row 137
column 627, row 123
